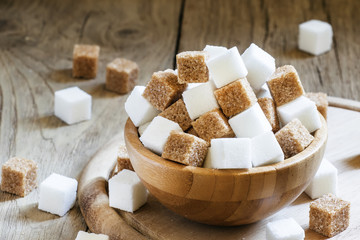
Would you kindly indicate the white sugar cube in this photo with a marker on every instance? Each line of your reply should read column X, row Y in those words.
column 266, row 149
column 284, row 229
column 157, row 133
column 57, row 194
column 229, row 153
column 227, row 67
column 90, row 236
column 264, row 92
column 200, row 99
column 126, row 192
column 214, row 51
column 72, row 105
column 259, row 64
column 142, row 128
column 315, row 37
column 303, row 109
column 324, row 181
column 250, row 122
column 192, row 85
column 138, row 108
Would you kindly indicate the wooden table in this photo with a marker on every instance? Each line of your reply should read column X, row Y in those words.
column 36, row 42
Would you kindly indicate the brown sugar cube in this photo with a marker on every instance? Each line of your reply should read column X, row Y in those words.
column 235, row 97
column 329, row 215
column 123, row 160
column 192, row 131
column 163, row 89
column 85, row 61
column 192, row 67
column 213, row 124
column 185, row 148
column 285, row 85
column 19, row 176
column 268, row 107
column 293, row 138
column 121, row 75
column 177, row 112
column 320, row 100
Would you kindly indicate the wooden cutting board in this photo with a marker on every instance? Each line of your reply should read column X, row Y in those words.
column 153, row 221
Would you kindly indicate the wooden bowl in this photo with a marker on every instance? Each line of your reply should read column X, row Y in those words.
column 228, row 196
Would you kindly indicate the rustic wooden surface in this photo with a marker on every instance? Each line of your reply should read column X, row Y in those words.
column 36, row 41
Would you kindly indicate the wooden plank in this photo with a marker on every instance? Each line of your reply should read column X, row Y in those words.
column 36, row 42
column 273, row 25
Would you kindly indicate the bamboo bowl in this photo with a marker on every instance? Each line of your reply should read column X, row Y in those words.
column 230, row 196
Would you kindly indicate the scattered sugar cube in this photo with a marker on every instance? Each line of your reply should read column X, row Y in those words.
column 250, row 122
column 185, row 148
column 177, row 112
column 126, row 192
column 214, row 51
column 123, row 159
column 259, row 64
column 227, row 67
column 229, row 153
column 315, row 37
column 293, row 138
column 85, row 61
column 200, row 99
column 284, row 229
column 211, row 125
column 72, row 105
column 235, row 97
column 285, row 85
column 156, row 134
column 303, row 109
column 192, row 67
column 266, row 149
column 19, row 176
column 91, row 236
column 320, row 100
column 264, row 92
column 269, row 109
column 163, row 89
column 138, row 108
column 324, row 181
column 329, row 215
column 57, row 194
column 142, row 128
column 121, row 75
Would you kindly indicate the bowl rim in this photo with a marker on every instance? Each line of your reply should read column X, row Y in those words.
column 132, row 137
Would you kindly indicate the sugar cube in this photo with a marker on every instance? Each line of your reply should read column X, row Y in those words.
column 142, row 128
column 329, row 215
column 123, row 160
column 315, row 37
column 250, row 122
column 121, row 75
column 57, row 194
column 235, row 97
column 303, row 109
column 157, row 133
column 126, row 192
column 192, row 131
column 185, row 148
column 214, row 51
column 229, row 153
column 269, row 109
column 212, row 124
column 320, row 100
column 266, row 149
column 91, row 236
column 264, row 92
column 293, row 138
column 85, row 61
column 163, row 89
column 227, row 67
column 177, row 112
column 284, row 229
column 19, row 176
column 200, row 99
column 285, row 85
column 72, row 105
column 259, row 64
column 324, row 181
column 138, row 108
column 192, row 67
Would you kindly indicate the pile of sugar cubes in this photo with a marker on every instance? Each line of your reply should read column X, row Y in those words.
column 220, row 109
